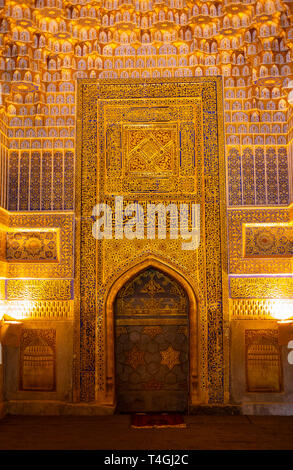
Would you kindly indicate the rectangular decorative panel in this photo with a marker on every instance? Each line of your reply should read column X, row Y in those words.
column 257, row 175
column 35, row 289
column 261, row 287
column 40, row 245
column 32, row 246
column 263, row 361
column 256, row 241
column 151, row 141
column 38, row 360
column 150, row 151
column 268, row 240
column 256, row 309
column 150, row 155
column 41, row 180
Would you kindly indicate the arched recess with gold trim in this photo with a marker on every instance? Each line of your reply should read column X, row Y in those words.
column 151, row 344
column 194, row 354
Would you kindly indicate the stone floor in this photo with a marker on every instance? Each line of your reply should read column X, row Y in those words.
column 114, row 433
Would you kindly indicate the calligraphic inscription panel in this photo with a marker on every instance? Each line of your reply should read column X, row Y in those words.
column 151, row 141
column 268, row 240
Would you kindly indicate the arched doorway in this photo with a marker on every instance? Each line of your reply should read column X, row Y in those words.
column 151, row 317
column 103, row 266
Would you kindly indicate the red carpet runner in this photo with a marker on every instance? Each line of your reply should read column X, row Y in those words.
column 157, row 420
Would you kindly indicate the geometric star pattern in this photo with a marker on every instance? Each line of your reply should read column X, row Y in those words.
column 170, row 357
column 134, row 357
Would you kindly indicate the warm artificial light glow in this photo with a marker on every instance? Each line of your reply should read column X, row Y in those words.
column 282, row 310
column 18, row 310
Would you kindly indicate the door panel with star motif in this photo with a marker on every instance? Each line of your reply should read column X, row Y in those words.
column 151, row 326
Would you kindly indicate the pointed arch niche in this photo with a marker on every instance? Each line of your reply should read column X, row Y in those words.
column 194, row 354
column 110, row 113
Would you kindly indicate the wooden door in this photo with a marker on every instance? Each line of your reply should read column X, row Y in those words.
column 151, row 350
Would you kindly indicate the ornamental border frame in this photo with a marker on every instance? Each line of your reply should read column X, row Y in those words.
column 86, row 320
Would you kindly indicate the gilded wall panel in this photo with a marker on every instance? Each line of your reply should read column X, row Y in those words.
column 35, row 289
column 241, row 241
column 268, row 240
column 158, row 248
column 2, row 245
column 130, row 156
column 256, row 309
column 32, row 246
column 257, row 175
column 261, row 287
column 38, row 309
column 263, row 361
column 38, row 360
column 147, row 157
column 48, row 245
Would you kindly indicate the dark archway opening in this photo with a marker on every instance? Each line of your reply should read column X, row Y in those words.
column 152, row 344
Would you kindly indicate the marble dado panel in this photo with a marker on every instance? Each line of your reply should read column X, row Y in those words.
column 38, row 360
column 30, row 246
